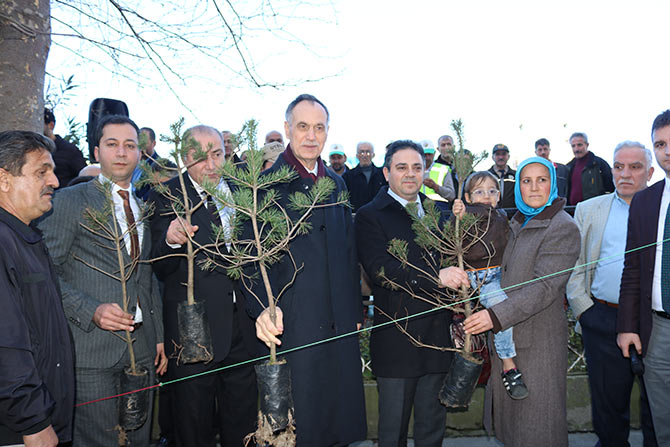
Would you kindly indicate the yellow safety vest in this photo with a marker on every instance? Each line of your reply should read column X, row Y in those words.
column 437, row 173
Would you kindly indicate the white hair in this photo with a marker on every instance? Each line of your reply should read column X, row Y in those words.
column 634, row 144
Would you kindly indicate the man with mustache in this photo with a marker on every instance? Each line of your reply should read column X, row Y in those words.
column 93, row 299
column 338, row 159
column 593, row 293
column 223, row 402
column 274, row 136
column 37, row 369
column 365, row 180
column 543, row 149
column 322, row 300
column 589, row 175
column 504, row 174
column 408, row 376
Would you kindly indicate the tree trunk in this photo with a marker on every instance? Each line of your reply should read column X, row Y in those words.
column 25, row 37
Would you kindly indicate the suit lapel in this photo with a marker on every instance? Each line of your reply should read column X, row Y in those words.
column 602, row 212
column 654, row 207
column 656, row 195
column 97, row 199
column 200, row 216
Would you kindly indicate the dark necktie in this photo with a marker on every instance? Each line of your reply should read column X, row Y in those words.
column 130, row 221
column 665, row 265
column 213, row 212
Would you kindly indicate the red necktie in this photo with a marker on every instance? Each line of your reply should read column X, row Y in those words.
column 130, row 220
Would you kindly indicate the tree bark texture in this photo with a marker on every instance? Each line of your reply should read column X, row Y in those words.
column 25, row 37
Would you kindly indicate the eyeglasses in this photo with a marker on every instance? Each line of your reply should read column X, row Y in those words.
column 364, row 152
column 485, row 192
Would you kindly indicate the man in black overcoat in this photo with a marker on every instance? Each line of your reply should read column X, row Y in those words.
column 324, row 299
column 227, row 399
column 408, row 376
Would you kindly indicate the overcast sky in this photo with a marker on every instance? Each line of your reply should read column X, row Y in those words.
column 514, row 71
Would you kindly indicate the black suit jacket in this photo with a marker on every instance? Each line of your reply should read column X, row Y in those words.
column 638, row 273
column 392, row 352
column 362, row 191
column 213, row 287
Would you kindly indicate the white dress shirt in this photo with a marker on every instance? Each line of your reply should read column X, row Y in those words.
column 120, row 214
column 404, row 202
column 656, row 300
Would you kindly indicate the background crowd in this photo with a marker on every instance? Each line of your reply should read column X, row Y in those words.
column 52, row 261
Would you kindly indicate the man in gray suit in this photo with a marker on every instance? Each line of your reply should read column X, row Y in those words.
column 593, row 293
column 92, row 299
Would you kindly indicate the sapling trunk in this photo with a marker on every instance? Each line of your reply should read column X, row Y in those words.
column 124, row 289
column 188, row 211
column 463, row 290
column 272, row 308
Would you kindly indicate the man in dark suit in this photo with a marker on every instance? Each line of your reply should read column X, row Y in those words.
column 232, row 392
column 643, row 319
column 365, row 180
column 407, row 376
column 323, row 299
column 92, row 299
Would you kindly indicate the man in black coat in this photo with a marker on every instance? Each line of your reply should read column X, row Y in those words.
column 231, row 391
column 506, row 176
column 324, row 299
column 588, row 175
column 36, row 364
column 365, row 180
column 643, row 317
column 407, row 376
column 68, row 158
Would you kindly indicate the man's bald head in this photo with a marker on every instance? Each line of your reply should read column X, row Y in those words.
column 274, row 136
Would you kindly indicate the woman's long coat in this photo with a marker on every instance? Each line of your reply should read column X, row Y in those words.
column 546, row 245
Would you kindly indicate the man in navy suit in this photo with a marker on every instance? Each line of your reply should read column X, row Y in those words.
column 644, row 302
column 408, row 376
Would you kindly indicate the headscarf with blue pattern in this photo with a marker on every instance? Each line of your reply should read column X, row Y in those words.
column 524, row 208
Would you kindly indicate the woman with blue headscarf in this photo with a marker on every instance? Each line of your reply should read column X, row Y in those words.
column 542, row 248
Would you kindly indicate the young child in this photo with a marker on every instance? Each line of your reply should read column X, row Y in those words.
column 484, row 258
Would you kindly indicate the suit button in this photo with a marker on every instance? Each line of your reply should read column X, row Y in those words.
column 323, row 228
column 414, row 282
column 151, row 311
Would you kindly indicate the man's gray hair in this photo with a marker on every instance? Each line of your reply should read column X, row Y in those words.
column 200, row 129
column 364, row 142
column 579, row 135
column 16, row 144
column 634, row 144
column 443, row 137
column 304, row 97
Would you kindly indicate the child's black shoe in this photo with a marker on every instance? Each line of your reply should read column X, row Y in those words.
column 513, row 382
